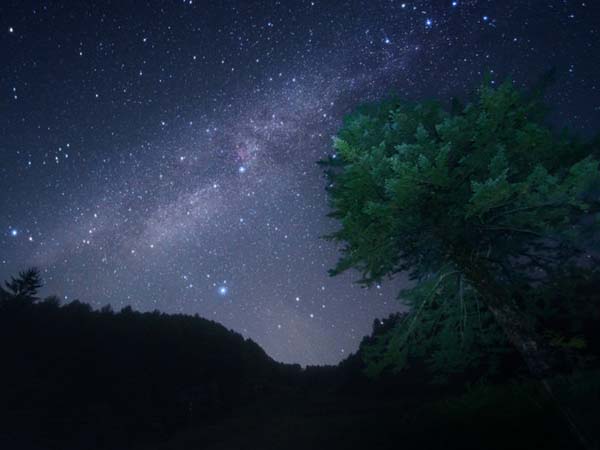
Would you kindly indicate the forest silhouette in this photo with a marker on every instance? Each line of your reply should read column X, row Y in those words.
column 74, row 378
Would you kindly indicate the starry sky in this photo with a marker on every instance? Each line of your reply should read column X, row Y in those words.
column 161, row 154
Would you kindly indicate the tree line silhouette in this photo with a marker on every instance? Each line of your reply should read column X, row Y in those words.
column 73, row 377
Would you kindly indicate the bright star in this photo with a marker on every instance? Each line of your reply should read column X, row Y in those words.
column 13, row 232
column 242, row 169
column 223, row 290
column 428, row 23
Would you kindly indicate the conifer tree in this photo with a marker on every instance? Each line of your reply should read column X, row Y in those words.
column 481, row 198
column 26, row 285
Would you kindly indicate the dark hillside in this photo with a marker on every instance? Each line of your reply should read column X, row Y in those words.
column 71, row 374
column 76, row 378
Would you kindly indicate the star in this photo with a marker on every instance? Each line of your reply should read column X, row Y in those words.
column 222, row 290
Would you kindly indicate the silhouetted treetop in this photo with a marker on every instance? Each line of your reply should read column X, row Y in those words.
column 26, row 285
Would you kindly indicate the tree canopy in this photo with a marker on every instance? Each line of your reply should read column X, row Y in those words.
column 475, row 200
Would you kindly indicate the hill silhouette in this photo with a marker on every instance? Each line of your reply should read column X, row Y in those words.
column 71, row 372
column 75, row 378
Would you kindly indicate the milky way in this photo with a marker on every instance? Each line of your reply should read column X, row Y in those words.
column 163, row 154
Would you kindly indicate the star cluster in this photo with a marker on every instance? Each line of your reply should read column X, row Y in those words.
column 162, row 154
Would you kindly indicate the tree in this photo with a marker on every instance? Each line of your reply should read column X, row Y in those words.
column 446, row 327
column 26, row 285
column 484, row 193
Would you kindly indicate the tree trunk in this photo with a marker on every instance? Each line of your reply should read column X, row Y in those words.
column 499, row 300
column 520, row 333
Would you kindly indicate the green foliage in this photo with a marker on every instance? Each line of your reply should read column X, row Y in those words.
column 486, row 189
column 446, row 327
column 412, row 180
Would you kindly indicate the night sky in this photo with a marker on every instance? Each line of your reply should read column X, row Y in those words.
column 162, row 154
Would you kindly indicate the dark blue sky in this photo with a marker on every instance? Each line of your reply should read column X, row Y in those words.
column 162, row 154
